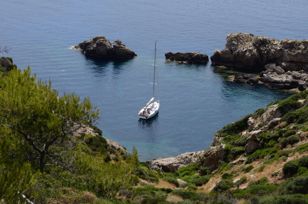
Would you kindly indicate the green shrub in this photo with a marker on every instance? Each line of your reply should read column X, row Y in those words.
column 288, row 132
column 299, row 116
column 147, row 174
column 227, row 176
column 303, row 161
column 261, row 187
column 290, row 103
column 283, row 199
column 248, row 168
column 149, row 195
column 187, row 170
column 197, row 180
column 190, row 195
column 236, row 151
column 289, row 141
column 290, row 168
column 203, row 170
column 223, row 185
column 171, row 179
column 302, row 148
column 297, row 185
column 236, row 127
column 261, row 153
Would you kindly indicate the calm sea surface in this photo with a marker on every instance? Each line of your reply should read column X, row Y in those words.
column 195, row 101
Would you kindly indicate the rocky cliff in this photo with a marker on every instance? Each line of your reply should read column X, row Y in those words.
column 281, row 64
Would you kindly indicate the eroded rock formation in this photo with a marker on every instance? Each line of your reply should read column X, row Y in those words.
column 187, row 58
column 281, row 64
column 99, row 48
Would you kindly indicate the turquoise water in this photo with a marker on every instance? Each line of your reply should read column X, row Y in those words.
column 195, row 101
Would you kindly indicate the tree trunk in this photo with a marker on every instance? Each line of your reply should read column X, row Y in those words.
column 42, row 161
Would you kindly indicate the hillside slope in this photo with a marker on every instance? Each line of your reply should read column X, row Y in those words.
column 261, row 158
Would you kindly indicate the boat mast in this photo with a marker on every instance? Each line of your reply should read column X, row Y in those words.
column 154, row 75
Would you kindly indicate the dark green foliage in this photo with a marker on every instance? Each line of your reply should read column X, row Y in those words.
column 171, row 178
column 293, row 139
column 149, row 195
column 291, row 103
column 303, row 162
column 190, row 174
column 302, row 148
column 299, row 116
column 261, row 153
column 236, row 127
column 223, row 185
column 284, row 199
column 96, row 144
column 259, row 112
column 227, row 176
column 190, row 195
column 234, row 151
column 38, row 116
column 41, row 155
column 248, row 168
column 187, row 170
column 287, row 132
column 261, row 187
column 290, row 168
column 196, row 179
column 297, row 185
column 203, row 170
column 145, row 173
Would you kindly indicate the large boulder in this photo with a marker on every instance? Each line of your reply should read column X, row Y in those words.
column 100, row 48
column 213, row 157
column 187, row 58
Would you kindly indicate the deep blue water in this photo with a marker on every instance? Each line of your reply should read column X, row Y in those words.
column 195, row 101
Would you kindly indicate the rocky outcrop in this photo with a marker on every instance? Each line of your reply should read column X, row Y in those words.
column 213, row 157
column 6, row 64
column 171, row 164
column 93, row 135
column 99, row 48
column 187, row 58
column 275, row 78
column 274, row 63
column 210, row 158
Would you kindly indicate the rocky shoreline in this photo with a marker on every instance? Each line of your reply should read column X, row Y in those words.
column 249, row 131
column 277, row 64
column 100, row 48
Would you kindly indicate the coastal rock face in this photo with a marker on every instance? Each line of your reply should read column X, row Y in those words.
column 209, row 158
column 213, row 157
column 171, row 164
column 99, row 48
column 246, row 136
column 6, row 64
column 276, row 64
column 187, row 58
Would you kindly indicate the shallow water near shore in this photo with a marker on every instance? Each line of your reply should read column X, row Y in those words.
column 195, row 101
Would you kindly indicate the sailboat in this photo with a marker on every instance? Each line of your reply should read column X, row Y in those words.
column 151, row 108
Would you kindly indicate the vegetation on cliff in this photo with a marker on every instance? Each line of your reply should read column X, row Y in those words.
column 43, row 155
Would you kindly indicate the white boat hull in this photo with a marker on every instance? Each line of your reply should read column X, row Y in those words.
column 150, row 110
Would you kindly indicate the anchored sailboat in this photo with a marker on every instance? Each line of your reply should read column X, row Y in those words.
column 152, row 107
